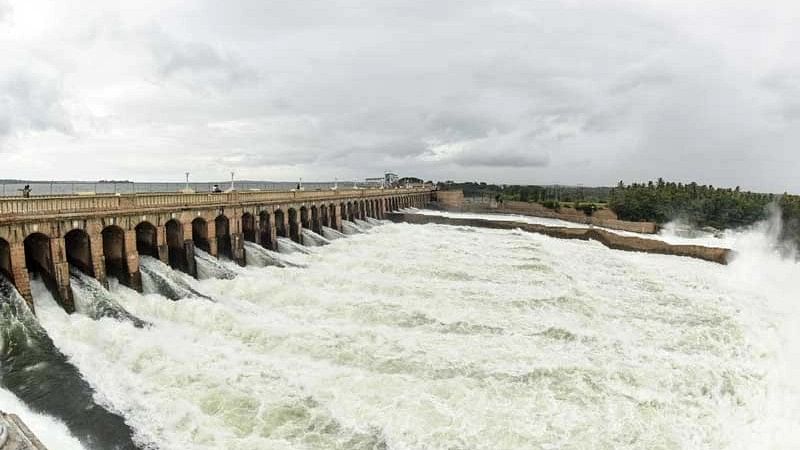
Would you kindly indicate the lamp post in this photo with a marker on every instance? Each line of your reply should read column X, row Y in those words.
column 232, row 175
column 187, row 181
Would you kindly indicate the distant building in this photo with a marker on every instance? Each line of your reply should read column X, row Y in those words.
column 390, row 179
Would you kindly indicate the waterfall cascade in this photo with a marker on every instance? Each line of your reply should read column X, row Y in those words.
column 37, row 373
column 286, row 245
column 95, row 301
column 331, row 234
column 350, row 228
column 159, row 278
column 313, row 239
column 261, row 257
column 211, row 267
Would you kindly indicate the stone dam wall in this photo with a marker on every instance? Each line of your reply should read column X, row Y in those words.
column 607, row 238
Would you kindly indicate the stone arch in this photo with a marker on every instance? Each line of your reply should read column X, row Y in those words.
column 249, row 227
column 304, row 218
column 200, row 234
column 147, row 239
column 280, row 223
column 316, row 226
column 223, row 236
column 332, row 216
column 39, row 262
column 78, row 247
column 362, row 210
column 5, row 260
column 175, row 244
column 265, row 228
column 114, row 253
column 324, row 217
column 348, row 214
column 294, row 226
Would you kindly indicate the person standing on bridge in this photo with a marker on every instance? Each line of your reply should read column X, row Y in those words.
column 26, row 191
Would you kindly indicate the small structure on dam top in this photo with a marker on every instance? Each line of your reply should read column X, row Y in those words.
column 14, row 435
column 104, row 235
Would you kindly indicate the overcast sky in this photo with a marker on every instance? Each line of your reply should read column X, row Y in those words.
column 506, row 91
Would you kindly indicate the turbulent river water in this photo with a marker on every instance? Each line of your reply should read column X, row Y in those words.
column 435, row 337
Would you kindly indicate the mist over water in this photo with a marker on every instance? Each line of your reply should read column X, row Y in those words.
column 439, row 337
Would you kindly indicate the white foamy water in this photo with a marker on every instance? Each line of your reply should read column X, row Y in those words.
column 437, row 337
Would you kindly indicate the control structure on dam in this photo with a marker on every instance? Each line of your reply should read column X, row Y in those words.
column 104, row 235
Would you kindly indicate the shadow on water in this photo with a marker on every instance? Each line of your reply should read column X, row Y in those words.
column 39, row 374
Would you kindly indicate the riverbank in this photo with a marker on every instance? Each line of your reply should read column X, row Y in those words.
column 607, row 238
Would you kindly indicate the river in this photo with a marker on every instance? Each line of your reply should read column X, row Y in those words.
column 435, row 337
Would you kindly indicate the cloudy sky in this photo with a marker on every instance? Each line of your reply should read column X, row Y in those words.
column 526, row 91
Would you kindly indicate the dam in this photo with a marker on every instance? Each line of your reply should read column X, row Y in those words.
column 105, row 235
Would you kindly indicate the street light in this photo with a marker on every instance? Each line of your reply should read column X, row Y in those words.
column 187, row 181
column 232, row 175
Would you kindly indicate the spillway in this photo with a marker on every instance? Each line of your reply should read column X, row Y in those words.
column 446, row 337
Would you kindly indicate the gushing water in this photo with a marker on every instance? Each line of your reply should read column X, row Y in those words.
column 332, row 234
column 95, row 301
column 351, row 228
column 286, row 245
column 159, row 278
column 313, row 239
column 364, row 225
column 260, row 257
column 211, row 267
column 38, row 374
column 444, row 337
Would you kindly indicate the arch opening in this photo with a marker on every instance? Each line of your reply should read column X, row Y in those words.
column 315, row 224
column 200, row 234
column 324, row 218
column 294, row 227
column 280, row 223
column 114, row 253
column 304, row 219
column 223, row 236
column 249, row 227
column 5, row 260
column 79, row 251
column 39, row 260
column 147, row 239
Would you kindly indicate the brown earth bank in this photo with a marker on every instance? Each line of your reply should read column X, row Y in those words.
column 607, row 238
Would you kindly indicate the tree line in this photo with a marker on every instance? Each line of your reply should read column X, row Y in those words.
column 702, row 205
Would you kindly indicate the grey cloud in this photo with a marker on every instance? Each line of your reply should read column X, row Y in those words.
column 501, row 90
column 32, row 101
column 198, row 64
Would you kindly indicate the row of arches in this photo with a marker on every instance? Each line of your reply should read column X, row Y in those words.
column 112, row 251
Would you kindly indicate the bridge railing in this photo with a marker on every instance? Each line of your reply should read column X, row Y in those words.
column 16, row 206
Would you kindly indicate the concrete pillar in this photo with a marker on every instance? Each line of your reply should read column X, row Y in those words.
column 337, row 217
column 161, row 244
column 273, row 233
column 19, row 271
column 98, row 258
column 60, row 275
column 211, row 231
column 132, row 261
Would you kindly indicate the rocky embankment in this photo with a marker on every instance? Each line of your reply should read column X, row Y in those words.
column 607, row 238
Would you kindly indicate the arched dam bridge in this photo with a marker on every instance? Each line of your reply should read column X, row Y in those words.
column 104, row 235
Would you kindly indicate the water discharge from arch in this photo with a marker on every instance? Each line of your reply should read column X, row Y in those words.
column 453, row 336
